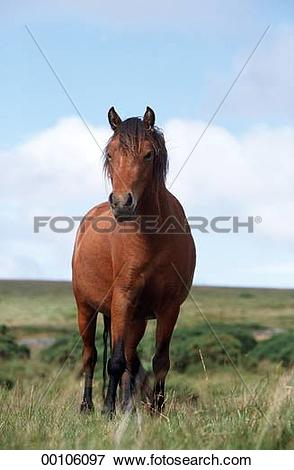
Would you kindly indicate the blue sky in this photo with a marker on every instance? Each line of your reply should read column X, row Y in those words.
column 180, row 58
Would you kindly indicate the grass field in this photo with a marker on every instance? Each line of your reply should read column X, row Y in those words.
column 216, row 408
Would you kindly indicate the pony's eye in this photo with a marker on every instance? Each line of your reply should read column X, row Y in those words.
column 108, row 157
column 148, row 156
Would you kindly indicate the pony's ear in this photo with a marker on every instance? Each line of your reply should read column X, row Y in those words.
column 149, row 119
column 114, row 119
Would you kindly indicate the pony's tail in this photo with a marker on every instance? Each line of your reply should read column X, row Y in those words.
column 105, row 345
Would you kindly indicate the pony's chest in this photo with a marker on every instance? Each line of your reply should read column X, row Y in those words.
column 157, row 287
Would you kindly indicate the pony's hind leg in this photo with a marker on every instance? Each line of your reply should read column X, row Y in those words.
column 87, row 319
column 165, row 325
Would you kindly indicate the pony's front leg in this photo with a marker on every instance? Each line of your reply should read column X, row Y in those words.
column 135, row 331
column 166, row 321
column 121, row 309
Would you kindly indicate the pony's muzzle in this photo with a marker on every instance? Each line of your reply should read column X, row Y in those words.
column 122, row 205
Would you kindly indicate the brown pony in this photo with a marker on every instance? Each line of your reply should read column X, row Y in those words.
column 131, row 263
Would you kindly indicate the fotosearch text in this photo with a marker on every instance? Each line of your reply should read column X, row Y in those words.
column 148, row 224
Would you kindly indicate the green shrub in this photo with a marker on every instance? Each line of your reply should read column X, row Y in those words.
column 279, row 348
column 238, row 340
column 6, row 383
column 246, row 295
column 67, row 348
column 9, row 348
column 212, row 352
column 242, row 332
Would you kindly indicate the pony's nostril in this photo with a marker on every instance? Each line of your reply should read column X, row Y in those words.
column 129, row 200
column 120, row 201
column 111, row 199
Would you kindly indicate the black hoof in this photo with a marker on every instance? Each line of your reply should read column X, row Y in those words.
column 156, row 409
column 86, row 407
column 127, row 407
column 108, row 412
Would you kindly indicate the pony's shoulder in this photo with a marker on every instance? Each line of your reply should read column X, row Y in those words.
column 99, row 209
column 96, row 211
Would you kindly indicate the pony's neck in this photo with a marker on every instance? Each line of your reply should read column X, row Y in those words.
column 154, row 202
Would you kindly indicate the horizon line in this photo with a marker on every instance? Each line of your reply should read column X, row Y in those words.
column 215, row 286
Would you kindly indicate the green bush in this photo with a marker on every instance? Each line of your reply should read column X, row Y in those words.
column 67, row 348
column 279, row 348
column 6, row 383
column 238, row 340
column 242, row 332
column 246, row 295
column 9, row 349
column 212, row 352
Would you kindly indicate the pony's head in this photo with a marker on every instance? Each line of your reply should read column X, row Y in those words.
column 135, row 160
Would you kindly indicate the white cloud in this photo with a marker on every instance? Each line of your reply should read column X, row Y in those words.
column 58, row 168
column 252, row 174
column 59, row 171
